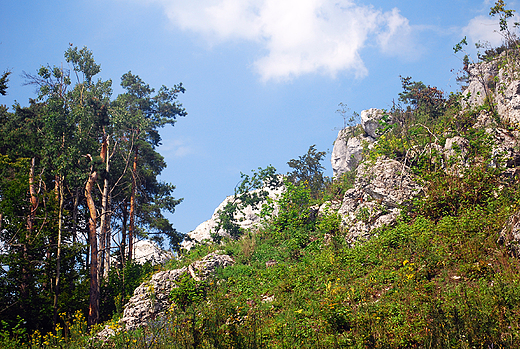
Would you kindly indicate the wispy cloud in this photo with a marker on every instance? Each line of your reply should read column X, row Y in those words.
column 298, row 36
column 176, row 148
column 483, row 29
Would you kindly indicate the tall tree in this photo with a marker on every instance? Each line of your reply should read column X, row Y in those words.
column 308, row 169
column 147, row 112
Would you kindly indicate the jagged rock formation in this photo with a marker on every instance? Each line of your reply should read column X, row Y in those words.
column 348, row 147
column 370, row 121
column 380, row 190
column 151, row 299
column 348, row 151
column 498, row 80
column 510, row 234
column 247, row 219
column 147, row 251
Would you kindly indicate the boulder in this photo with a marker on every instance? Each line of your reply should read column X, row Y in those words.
column 151, row 299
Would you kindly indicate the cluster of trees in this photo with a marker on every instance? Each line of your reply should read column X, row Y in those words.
column 78, row 184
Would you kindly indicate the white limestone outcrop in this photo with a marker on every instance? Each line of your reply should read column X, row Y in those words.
column 247, row 219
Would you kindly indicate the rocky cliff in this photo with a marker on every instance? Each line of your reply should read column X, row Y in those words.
column 248, row 218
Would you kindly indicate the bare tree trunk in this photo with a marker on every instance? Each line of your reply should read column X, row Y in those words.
column 58, row 253
column 75, row 217
column 131, row 227
column 104, row 210
column 93, row 313
column 33, row 199
column 124, row 228
column 108, row 237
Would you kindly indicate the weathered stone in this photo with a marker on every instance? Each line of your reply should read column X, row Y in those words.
column 347, row 151
column 505, row 151
column 370, row 120
column 510, row 234
column 499, row 82
column 481, row 76
column 380, row 190
column 151, row 299
column 201, row 270
column 456, row 151
column 246, row 220
column 149, row 251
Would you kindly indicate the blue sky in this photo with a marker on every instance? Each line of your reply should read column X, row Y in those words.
column 263, row 78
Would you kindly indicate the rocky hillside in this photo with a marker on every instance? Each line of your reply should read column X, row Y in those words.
column 414, row 243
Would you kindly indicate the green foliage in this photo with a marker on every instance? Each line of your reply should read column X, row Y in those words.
column 503, row 14
column 437, row 278
column 308, row 169
column 120, row 286
column 188, row 292
column 423, row 99
column 251, row 191
column 3, row 83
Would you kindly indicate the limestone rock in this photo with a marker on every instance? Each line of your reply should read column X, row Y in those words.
column 481, row 76
column 201, row 270
column 380, row 190
column 152, row 298
column 249, row 218
column 510, row 235
column 347, row 151
column 499, row 81
column 505, row 151
column 149, row 251
column 370, row 120
column 456, row 151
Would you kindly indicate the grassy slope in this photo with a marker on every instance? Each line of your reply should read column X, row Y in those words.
column 436, row 279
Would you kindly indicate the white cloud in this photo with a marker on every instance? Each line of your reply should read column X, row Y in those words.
column 176, row 148
column 299, row 36
column 484, row 29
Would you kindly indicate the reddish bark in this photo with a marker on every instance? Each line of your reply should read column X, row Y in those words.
column 131, row 226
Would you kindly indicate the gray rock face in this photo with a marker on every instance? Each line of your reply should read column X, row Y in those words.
column 151, row 299
column 146, row 250
column 505, row 151
column 504, row 80
column 248, row 219
column 379, row 192
column 510, row 235
column 347, row 151
column 370, row 121
column 480, row 77
column 456, row 151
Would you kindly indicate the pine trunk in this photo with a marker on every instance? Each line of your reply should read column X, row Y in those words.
column 131, row 227
column 93, row 313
